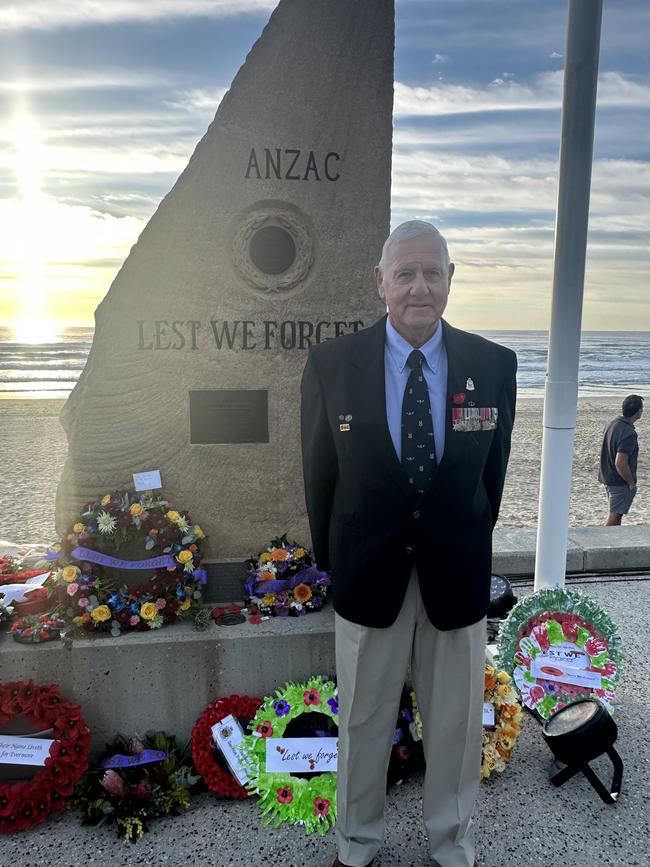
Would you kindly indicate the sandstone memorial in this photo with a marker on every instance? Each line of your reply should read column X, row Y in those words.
column 264, row 246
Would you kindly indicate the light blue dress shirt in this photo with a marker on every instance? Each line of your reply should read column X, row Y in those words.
column 434, row 367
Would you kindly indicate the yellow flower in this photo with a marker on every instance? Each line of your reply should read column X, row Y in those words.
column 503, row 690
column 299, row 553
column 136, row 509
column 101, row 613
column 106, row 500
column 302, row 592
column 184, row 556
column 265, row 557
column 79, row 527
column 503, row 677
column 185, row 604
column 148, row 611
column 198, row 532
column 70, row 573
column 173, row 516
column 269, row 599
column 56, row 547
column 78, row 620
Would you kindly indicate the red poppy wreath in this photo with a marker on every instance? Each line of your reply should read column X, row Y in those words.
column 28, row 802
column 215, row 775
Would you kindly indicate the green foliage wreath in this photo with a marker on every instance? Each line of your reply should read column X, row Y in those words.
column 283, row 797
column 556, row 616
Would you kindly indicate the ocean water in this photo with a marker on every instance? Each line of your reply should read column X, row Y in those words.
column 611, row 362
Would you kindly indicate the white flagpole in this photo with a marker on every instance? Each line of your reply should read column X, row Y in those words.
column 561, row 393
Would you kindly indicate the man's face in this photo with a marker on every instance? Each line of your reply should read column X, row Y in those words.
column 414, row 285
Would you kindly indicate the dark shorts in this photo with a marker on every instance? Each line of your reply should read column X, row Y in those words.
column 620, row 498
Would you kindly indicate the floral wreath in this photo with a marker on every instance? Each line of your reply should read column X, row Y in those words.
column 28, row 802
column 557, row 616
column 310, row 802
column 283, row 581
column 131, row 793
column 499, row 740
column 37, row 629
column 94, row 540
column 217, row 778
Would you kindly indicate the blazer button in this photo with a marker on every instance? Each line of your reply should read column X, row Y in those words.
column 408, row 550
column 416, row 514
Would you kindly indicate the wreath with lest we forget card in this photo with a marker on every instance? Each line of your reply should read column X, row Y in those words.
column 559, row 645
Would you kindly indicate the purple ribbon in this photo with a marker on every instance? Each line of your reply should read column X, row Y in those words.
column 305, row 576
column 116, row 563
column 143, row 758
column 200, row 575
column 51, row 555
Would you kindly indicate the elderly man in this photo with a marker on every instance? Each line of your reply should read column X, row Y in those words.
column 406, row 431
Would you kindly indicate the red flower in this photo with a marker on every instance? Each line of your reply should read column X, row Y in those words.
column 285, row 795
column 233, row 609
column 265, row 729
column 216, row 613
column 321, row 806
column 536, row 693
column 459, row 398
column 594, row 646
column 312, row 696
column 540, row 633
column 255, row 618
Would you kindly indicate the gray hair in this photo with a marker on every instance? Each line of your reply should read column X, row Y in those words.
column 412, row 229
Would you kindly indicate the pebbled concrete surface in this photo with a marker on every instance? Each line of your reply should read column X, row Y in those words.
column 522, row 820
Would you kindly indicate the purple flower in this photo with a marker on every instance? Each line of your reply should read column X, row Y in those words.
column 408, row 716
column 282, row 708
column 281, row 610
column 550, row 688
column 334, row 705
column 398, row 735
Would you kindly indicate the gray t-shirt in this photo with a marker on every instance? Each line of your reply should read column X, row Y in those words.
column 619, row 436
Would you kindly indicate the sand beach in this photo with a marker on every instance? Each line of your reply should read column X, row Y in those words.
column 33, row 448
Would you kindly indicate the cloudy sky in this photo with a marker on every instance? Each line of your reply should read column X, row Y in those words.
column 103, row 101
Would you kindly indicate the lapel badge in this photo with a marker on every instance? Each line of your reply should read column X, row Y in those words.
column 459, row 398
column 348, row 417
column 469, row 385
column 344, row 427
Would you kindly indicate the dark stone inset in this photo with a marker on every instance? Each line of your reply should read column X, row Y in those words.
column 272, row 250
column 229, row 415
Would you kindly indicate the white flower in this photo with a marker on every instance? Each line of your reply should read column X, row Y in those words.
column 182, row 524
column 106, row 523
column 297, row 606
column 189, row 566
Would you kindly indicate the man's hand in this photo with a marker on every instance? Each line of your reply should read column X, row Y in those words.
column 621, row 462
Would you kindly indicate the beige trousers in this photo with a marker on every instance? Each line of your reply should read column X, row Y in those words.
column 447, row 674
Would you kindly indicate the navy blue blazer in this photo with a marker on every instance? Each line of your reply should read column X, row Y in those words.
column 368, row 527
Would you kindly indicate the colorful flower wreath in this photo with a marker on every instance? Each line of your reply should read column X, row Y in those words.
column 28, row 802
column 283, row 580
column 37, row 629
column 132, row 793
column 205, row 755
column 499, row 740
column 93, row 542
column 567, row 624
column 284, row 797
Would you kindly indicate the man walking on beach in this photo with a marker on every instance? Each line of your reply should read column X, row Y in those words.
column 406, row 430
column 619, row 454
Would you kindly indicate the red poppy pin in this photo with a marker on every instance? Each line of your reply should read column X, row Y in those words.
column 459, row 398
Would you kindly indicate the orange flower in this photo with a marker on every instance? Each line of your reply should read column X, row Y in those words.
column 266, row 576
column 490, row 681
column 302, row 592
column 279, row 554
